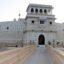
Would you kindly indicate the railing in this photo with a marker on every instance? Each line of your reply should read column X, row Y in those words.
column 17, row 55
column 57, row 55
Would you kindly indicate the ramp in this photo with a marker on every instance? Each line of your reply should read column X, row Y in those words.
column 40, row 56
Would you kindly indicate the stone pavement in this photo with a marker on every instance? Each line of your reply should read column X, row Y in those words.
column 40, row 56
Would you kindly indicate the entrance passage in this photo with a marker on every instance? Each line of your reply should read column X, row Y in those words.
column 41, row 40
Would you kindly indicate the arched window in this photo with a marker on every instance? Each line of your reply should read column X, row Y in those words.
column 7, row 28
column 36, row 10
column 45, row 11
column 40, row 10
column 32, row 10
column 49, row 11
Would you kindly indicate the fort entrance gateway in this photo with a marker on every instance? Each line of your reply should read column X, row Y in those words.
column 41, row 40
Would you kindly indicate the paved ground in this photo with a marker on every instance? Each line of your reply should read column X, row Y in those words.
column 3, row 49
column 40, row 56
column 6, row 48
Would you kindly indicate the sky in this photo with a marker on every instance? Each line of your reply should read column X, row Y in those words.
column 9, row 9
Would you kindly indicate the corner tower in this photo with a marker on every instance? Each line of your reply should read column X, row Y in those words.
column 41, row 14
column 39, row 21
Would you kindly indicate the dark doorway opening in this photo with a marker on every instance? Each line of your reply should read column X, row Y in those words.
column 41, row 40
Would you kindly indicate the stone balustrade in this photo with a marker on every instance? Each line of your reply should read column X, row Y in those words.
column 57, row 55
column 17, row 55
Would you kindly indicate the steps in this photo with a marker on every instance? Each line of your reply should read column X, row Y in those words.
column 41, row 45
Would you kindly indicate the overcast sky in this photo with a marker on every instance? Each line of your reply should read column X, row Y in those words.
column 9, row 9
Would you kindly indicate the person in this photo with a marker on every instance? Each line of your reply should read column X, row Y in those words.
column 16, row 45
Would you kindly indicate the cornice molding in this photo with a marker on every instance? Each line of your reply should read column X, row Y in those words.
column 39, row 31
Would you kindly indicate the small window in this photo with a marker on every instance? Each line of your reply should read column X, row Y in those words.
column 40, row 10
column 36, row 10
column 33, row 21
column 7, row 28
column 45, row 11
column 32, row 10
column 50, row 23
column 41, row 21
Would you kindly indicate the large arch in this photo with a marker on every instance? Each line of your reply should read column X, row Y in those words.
column 41, row 40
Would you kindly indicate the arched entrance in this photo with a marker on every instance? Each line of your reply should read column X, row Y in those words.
column 41, row 40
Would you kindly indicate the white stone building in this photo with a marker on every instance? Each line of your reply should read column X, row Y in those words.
column 38, row 27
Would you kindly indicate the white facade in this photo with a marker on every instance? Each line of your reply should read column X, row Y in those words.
column 39, row 21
